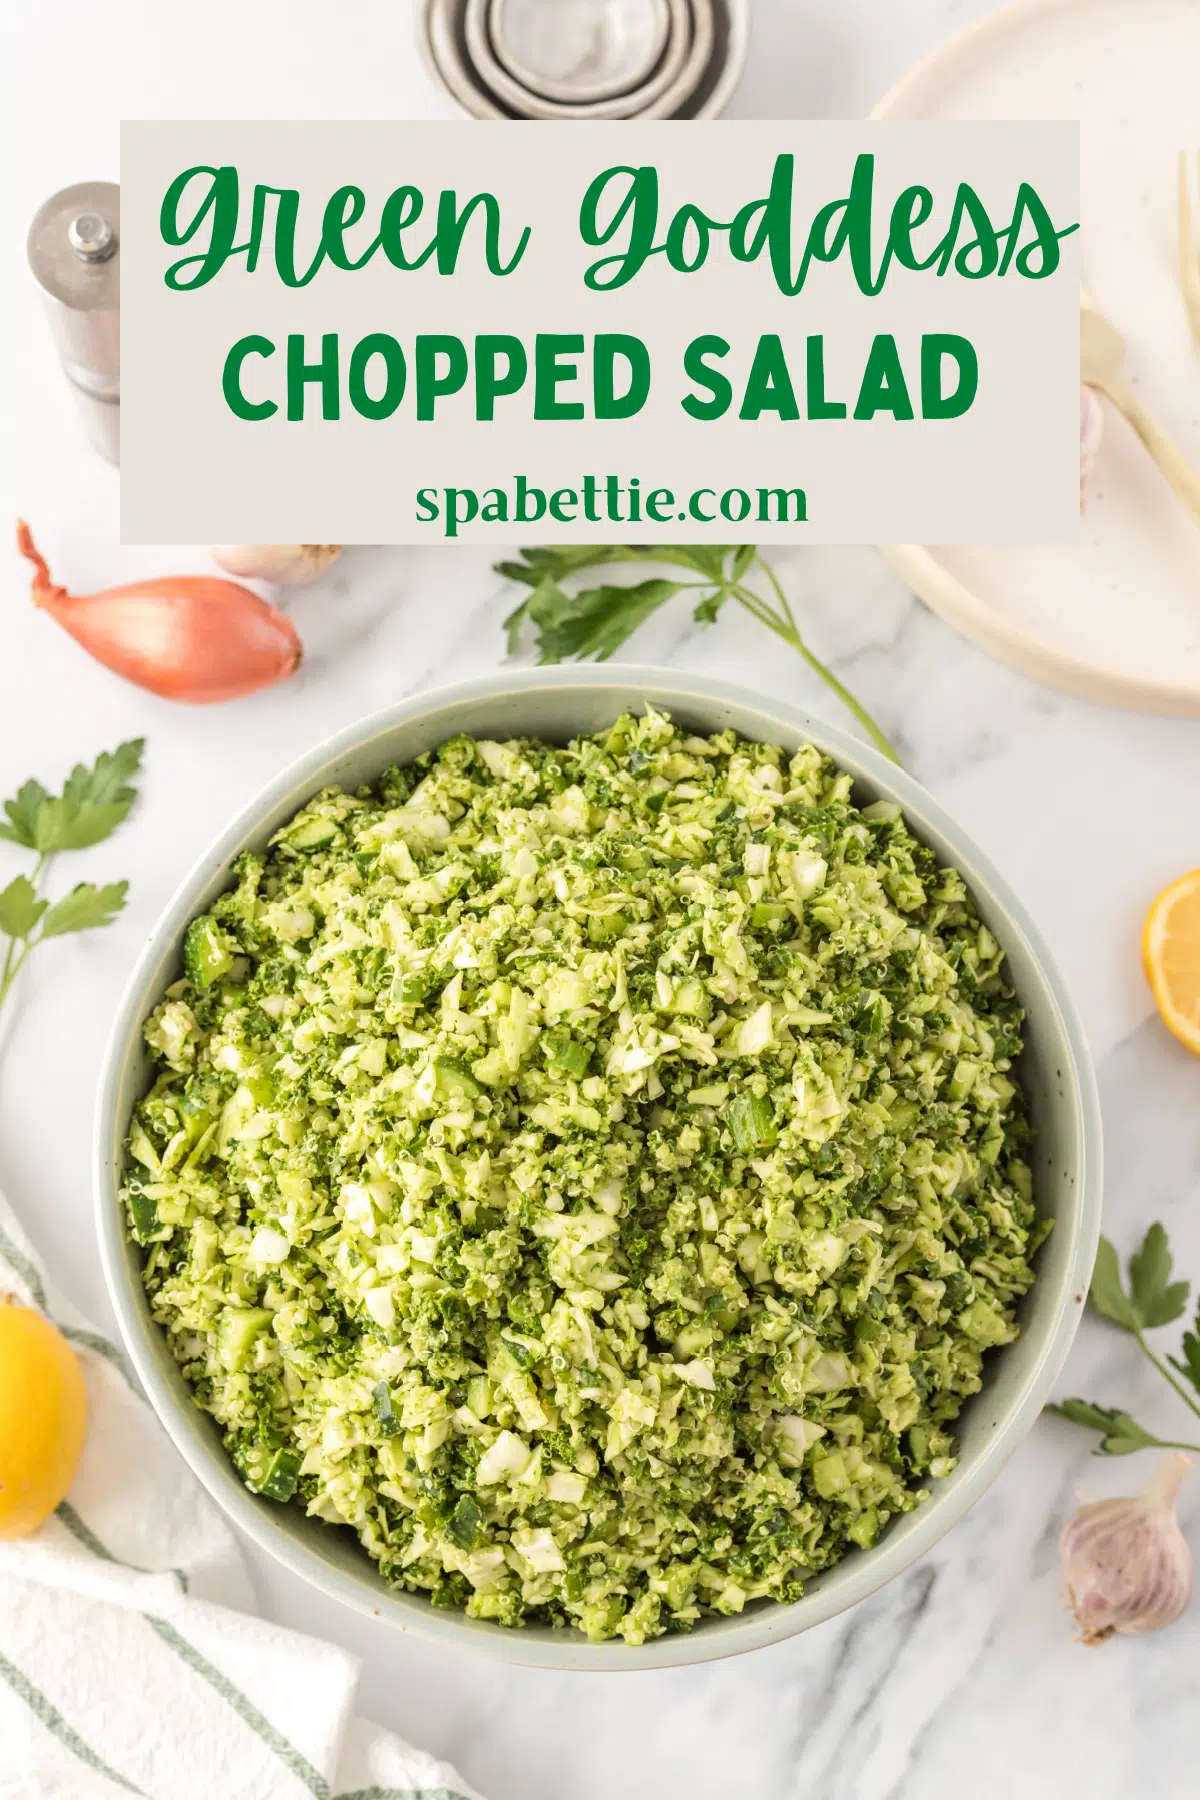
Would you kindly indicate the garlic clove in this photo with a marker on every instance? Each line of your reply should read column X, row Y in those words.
column 1091, row 432
column 284, row 564
column 1126, row 1563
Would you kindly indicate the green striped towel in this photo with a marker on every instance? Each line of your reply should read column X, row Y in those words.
column 130, row 1659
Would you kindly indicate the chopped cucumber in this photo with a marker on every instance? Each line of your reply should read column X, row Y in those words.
column 454, row 1076
column 207, row 952
column 283, row 1472
column 144, row 1216
column 311, row 834
column 568, row 1054
column 751, row 1122
column 237, row 1332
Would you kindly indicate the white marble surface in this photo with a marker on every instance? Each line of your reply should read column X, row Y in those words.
column 961, row 1677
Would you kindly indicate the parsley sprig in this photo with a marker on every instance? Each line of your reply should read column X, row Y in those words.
column 94, row 801
column 593, row 622
column 1152, row 1299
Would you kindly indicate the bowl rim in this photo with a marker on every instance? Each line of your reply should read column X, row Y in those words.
column 854, row 1578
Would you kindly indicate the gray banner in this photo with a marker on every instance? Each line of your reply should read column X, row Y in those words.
column 724, row 373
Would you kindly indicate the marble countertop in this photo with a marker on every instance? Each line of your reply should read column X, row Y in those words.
column 962, row 1676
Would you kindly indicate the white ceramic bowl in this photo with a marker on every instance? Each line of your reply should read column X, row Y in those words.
column 557, row 704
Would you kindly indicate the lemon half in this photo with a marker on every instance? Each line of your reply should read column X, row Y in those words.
column 43, row 1418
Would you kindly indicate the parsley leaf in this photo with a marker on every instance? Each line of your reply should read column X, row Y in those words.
column 84, row 908
column 1107, row 1294
column 94, row 801
column 1189, row 1368
column 1120, row 1434
column 23, row 810
column 594, row 622
column 705, row 611
column 92, row 804
column 1151, row 1300
column 1154, row 1298
column 20, row 907
column 98, row 799
column 711, row 560
column 1158, row 1299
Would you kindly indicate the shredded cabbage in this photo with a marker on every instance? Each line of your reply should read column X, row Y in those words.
column 593, row 1176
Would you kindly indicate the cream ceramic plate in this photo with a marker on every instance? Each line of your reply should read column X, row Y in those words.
column 1118, row 618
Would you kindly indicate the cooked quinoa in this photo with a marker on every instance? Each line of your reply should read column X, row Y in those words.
column 594, row 1176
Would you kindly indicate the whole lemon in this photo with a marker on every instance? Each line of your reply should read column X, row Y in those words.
column 43, row 1418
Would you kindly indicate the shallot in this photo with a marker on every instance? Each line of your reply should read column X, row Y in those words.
column 283, row 564
column 193, row 638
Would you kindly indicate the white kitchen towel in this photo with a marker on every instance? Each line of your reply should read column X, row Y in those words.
column 130, row 1659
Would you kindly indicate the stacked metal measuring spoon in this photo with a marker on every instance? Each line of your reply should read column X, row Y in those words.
column 586, row 59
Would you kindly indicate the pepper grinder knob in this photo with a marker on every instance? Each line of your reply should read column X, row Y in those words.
column 91, row 237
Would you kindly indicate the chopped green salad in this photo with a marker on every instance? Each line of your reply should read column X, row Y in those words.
column 594, row 1176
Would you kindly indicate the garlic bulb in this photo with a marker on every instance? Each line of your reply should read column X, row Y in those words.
column 1126, row 1563
column 283, row 564
column 1091, row 430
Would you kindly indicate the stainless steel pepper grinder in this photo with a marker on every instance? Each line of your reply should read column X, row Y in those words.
column 74, row 251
